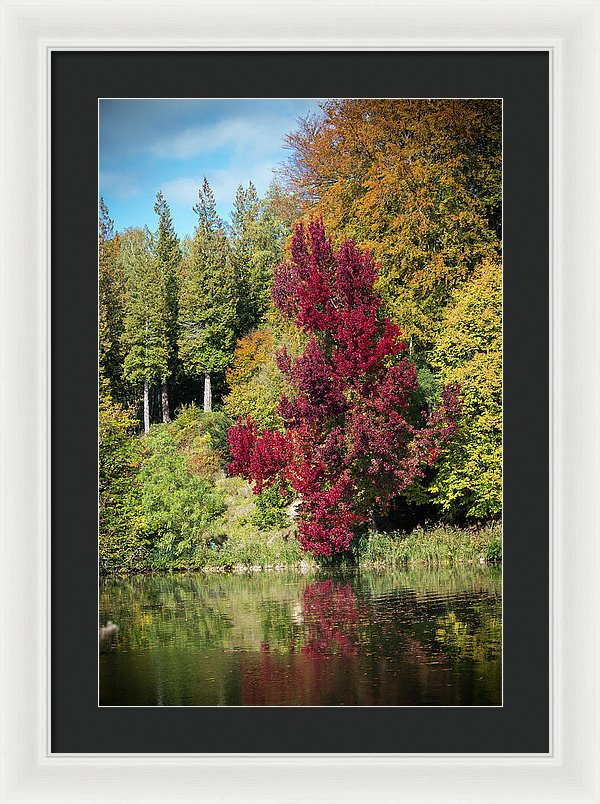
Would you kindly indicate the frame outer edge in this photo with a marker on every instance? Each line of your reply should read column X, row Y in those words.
column 30, row 773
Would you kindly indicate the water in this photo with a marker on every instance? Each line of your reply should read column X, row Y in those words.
column 417, row 637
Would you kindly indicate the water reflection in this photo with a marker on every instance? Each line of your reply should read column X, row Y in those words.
column 410, row 637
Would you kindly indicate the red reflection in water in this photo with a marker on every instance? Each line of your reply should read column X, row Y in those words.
column 331, row 620
column 331, row 614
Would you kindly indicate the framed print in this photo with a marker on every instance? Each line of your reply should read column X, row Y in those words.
column 239, row 716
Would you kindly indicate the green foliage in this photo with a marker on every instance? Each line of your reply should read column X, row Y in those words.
column 468, row 351
column 246, row 548
column 437, row 545
column 255, row 383
column 145, row 337
column 257, row 238
column 202, row 438
column 111, row 288
column 207, row 303
column 178, row 506
column 270, row 511
column 493, row 549
column 168, row 256
column 122, row 546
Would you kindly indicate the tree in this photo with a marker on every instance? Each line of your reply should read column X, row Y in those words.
column 146, row 335
column 168, row 256
column 468, row 351
column 254, row 381
column 121, row 524
column 256, row 237
column 207, row 303
column 111, row 302
column 418, row 182
column 347, row 447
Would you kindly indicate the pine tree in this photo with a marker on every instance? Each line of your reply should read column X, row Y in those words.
column 257, row 238
column 111, row 302
column 207, row 301
column 146, row 337
column 168, row 256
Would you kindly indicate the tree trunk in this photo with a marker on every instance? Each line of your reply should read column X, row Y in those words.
column 207, row 394
column 146, row 408
column 164, row 403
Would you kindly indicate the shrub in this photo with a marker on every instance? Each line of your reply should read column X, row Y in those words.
column 270, row 510
column 122, row 545
column 178, row 506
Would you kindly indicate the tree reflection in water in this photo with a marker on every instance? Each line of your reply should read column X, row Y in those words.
column 407, row 637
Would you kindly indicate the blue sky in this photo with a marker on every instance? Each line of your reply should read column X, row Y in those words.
column 148, row 145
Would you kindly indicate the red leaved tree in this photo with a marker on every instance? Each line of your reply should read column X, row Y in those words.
column 347, row 448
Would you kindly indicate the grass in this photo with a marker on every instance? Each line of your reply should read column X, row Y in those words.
column 244, row 548
column 440, row 545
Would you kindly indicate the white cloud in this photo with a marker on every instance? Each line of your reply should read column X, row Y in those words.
column 182, row 190
column 119, row 184
column 240, row 134
column 224, row 182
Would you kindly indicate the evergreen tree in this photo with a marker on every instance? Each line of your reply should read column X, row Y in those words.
column 111, row 302
column 168, row 256
column 146, row 336
column 257, row 238
column 207, row 301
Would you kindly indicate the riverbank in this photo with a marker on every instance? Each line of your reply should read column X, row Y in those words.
column 256, row 551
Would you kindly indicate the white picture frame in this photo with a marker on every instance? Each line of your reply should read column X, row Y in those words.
column 569, row 31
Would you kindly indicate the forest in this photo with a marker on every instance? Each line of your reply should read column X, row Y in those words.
column 318, row 378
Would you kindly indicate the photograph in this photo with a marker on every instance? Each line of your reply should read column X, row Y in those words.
column 300, row 402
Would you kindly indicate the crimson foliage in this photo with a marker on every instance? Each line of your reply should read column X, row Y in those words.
column 347, row 447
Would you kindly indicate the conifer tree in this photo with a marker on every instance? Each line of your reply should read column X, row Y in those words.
column 145, row 338
column 168, row 256
column 257, row 238
column 207, row 301
column 111, row 301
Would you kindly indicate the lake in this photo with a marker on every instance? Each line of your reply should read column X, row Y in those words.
column 402, row 637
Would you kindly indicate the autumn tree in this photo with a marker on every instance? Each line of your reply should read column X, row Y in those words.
column 207, row 302
column 417, row 182
column 347, row 447
column 168, row 256
column 468, row 351
column 145, row 336
column 254, row 380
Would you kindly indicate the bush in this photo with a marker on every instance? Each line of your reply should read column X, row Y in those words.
column 122, row 546
column 493, row 550
column 270, row 509
column 250, row 549
column 203, row 436
column 178, row 506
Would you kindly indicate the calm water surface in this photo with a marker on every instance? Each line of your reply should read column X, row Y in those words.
column 403, row 637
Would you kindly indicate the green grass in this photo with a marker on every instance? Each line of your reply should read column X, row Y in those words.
column 245, row 548
column 434, row 546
